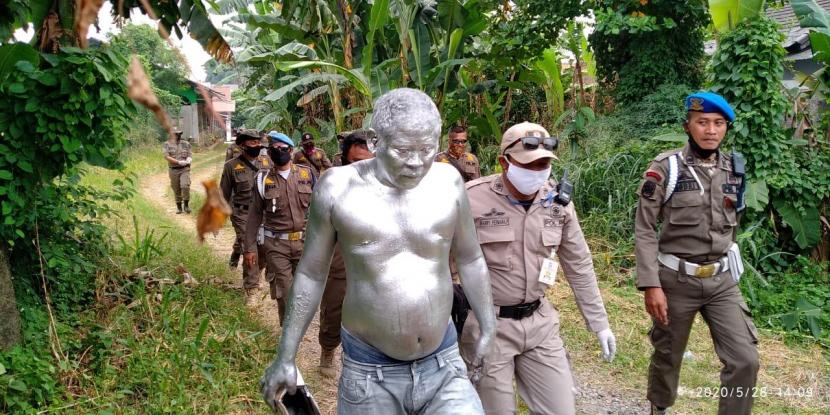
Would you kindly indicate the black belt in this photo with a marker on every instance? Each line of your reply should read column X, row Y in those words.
column 519, row 311
column 240, row 206
column 178, row 167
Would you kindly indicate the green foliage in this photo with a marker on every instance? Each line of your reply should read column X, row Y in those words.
column 71, row 109
column 726, row 14
column 143, row 247
column 802, row 307
column 746, row 70
column 533, row 26
column 641, row 45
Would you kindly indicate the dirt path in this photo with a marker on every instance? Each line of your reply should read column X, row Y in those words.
column 156, row 189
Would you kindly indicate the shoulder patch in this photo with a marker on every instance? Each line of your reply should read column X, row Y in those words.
column 304, row 174
column 648, row 189
column 470, row 157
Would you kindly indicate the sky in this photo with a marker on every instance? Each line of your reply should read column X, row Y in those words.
column 190, row 48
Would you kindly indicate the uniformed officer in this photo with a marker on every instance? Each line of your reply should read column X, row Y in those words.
column 457, row 155
column 525, row 228
column 238, row 186
column 179, row 155
column 311, row 156
column 355, row 149
column 692, row 264
column 279, row 205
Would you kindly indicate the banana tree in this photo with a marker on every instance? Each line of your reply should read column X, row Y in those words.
column 728, row 13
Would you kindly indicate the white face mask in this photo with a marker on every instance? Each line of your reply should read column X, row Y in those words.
column 527, row 182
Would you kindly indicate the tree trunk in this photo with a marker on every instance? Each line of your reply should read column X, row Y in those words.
column 9, row 315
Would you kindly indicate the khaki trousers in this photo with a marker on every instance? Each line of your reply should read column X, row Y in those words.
column 722, row 306
column 281, row 258
column 250, row 275
column 531, row 350
column 180, row 182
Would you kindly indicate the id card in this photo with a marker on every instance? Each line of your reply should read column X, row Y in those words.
column 547, row 274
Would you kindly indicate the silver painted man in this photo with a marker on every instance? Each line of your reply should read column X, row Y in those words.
column 395, row 225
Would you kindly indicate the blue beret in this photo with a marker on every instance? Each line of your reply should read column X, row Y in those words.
column 275, row 136
column 709, row 102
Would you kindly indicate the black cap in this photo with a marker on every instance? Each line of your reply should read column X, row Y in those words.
column 245, row 135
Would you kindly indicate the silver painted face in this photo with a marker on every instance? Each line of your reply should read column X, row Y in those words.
column 408, row 127
column 405, row 160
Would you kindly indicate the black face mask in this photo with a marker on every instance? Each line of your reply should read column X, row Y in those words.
column 253, row 151
column 701, row 152
column 280, row 158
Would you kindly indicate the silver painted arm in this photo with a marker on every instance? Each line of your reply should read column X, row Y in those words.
column 475, row 279
column 304, row 295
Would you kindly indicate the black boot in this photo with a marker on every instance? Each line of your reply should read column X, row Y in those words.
column 186, row 207
column 178, row 207
column 234, row 262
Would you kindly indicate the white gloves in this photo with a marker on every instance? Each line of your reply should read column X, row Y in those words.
column 608, row 344
column 185, row 162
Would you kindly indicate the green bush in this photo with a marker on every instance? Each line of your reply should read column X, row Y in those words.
column 642, row 45
column 796, row 300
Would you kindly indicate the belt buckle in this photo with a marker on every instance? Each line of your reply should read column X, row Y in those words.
column 705, row 271
column 294, row 236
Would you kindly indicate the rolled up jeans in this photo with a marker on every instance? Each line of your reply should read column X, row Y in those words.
column 435, row 384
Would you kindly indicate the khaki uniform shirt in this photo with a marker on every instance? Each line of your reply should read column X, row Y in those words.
column 696, row 228
column 318, row 161
column 467, row 164
column 285, row 205
column 179, row 151
column 238, row 181
column 233, row 151
column 515, row 243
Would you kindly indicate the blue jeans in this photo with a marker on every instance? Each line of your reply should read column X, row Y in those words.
column 436, row 384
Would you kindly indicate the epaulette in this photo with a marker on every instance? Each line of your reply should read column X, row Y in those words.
column 666, row 154
column 480, row 180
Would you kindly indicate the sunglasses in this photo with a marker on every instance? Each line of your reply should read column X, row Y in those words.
column 458, row 142
column 532, row 143
column 285, row 149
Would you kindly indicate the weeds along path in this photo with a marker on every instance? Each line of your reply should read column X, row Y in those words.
column 156, row 189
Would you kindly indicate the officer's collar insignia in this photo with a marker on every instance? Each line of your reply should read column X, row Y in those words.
column 268, row 180
column 696, row 104
column 265, row 162
column 498, row 186
column 304, row 174
column 493, row 212
column 239, row 166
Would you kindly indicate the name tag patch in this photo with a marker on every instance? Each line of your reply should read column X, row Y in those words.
column 494, row 222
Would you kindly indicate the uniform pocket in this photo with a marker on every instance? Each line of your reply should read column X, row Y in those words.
column 551, row 236
column 730, row 203
column 495, row 244
column 305, row 195
column 354, row 389
column 685, row 208
column 750, row 326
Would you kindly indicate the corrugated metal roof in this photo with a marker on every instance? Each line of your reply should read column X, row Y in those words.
column 786, row 17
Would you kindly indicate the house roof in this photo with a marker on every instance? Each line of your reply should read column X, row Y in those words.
column 797, row 38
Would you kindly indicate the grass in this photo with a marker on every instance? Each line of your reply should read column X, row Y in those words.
column 154, row 345
column 783, row 365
